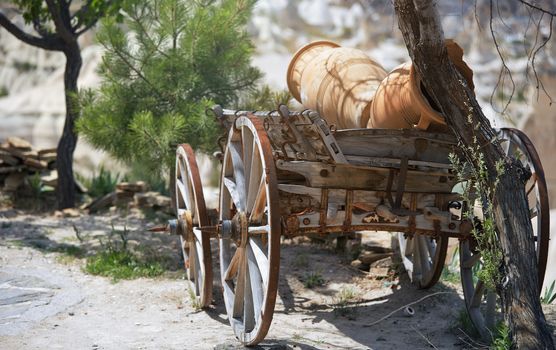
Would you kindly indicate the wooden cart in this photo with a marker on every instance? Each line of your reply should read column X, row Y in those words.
column 288, row 174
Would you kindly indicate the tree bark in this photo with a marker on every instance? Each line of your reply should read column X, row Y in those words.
column 420, row 24
column 68, row 141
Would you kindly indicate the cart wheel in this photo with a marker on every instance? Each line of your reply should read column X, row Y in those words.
column 250, row 238
column 483, row 305
column 191, row 215
column 423, row 257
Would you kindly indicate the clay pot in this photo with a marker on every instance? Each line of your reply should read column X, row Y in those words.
column 337, row 82
column 401, row 101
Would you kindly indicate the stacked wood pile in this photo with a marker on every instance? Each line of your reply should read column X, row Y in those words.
column 18, row 159
column 132, row 194
column 376, row 260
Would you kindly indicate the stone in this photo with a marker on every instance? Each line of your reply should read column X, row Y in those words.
column 50, row 178
column 359, row 265
column 71, row 213
column 13, row 181
column 386, row 262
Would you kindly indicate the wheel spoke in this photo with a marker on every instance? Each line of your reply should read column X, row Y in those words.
column 233, row 190
column 239, row 293
column 256, row 180
column 233, row 267
column 256, row 280
column 248, row 307
column 261, row 258
column 259, row 203
column 247, row 151
column 239, row 175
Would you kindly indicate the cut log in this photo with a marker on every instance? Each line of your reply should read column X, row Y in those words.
column 139, row 186
column 11, row 169
column 368, row 258
column 36, row 164
column 47, row 157
column 41, row 152
column 102, row 202
column 19, row 143
column 7, row 158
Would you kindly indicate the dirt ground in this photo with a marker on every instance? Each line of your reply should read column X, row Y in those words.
column 47, row 301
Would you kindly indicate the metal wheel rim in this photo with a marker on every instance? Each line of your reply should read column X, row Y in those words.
column 423, row 258
column 483, row 305
column 195, row 248
column 250, row 273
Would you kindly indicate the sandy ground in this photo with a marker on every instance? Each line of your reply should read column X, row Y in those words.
column 47, row 301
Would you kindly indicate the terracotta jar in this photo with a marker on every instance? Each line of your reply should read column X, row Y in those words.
column 401, row 101
column 337, row 82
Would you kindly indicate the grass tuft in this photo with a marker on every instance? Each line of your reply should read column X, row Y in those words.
column 121, row 264
column 312, row 280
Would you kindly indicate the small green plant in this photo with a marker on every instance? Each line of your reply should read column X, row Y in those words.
column 102, row 183
column 479, row 188
column 549, row 294
column 301, row 260
column 312, row 280
column 450, row 272
column 36, row 185
column 502, row 340
column 121, row 264
column 195, row 304
column 342, row 300
column 117, row 261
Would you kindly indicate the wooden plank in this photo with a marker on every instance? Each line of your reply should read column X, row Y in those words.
column 396, row 144
column 324, row 175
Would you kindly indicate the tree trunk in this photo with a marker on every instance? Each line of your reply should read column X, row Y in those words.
column 68, row 141
column 420, row 24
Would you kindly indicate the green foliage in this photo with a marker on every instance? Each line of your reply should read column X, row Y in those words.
column 121, row 264
column 312, row 280
column 450, row 273
column 36, row 185
column 343, row 299
column 37, row 11
column 502, row 340
column 101, row 184
column 549, row 294
column 167, row 63
column 478, row 189
column 117, row 261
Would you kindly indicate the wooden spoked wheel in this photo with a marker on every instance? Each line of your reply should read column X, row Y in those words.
column 250, row 238
column 423, row 257
column 191, row 216
column 482, row 304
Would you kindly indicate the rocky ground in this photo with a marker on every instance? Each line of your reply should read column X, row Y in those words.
column 47, row 301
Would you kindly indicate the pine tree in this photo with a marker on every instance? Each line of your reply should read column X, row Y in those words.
column 167, row 63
